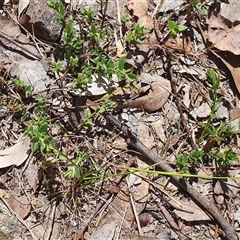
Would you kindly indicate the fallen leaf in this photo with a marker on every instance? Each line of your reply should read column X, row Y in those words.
column 145, row 135
column 146, row 21
column 159, row 130
column 223, row 34
column 120, row 49
column 32, row 175
column 9, row 27
column 101, row 85
column 191, row 212
column 19, row 205
column 156, row 98
column 16, row 154
column 139, row 7
column 232, row 62
column 202, row 112
column 22, row 6
column 105, row 232
column 230, row 10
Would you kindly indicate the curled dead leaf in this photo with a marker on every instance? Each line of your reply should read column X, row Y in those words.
column 155, row 99
column 223, row 34
column 146, row 21
column 139, row 7
column 19, row 205
column 16, row 154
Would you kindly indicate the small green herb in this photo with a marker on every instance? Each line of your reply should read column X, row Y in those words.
column 25, row 90
column 125, row 18
column 175, row 29
column 137, row 34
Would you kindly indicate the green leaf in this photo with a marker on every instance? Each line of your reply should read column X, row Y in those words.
column 171, row 24
column 61, row 9
column 43, row 128
column 181, row 28
column 121, row 63
column 34, row 147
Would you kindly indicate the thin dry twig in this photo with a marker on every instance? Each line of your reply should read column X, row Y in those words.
column 135, row 214
column 80, row 233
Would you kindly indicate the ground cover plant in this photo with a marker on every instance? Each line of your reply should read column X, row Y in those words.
column 136, row 109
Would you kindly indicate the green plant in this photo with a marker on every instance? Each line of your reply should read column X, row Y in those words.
column 125, row 18
column 57, row 66
column 201, row 6
column 137, row 35
column 175, row 29
column 212, row 136
column 25, row 90
column 97, row 62
column 183, row 163
column 38, row 130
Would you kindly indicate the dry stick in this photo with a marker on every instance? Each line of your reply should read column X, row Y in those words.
column 153, row 158
column 85, row 225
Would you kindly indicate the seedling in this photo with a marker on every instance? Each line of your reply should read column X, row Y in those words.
column 25, row 90
column 175, row 29
column 125, row 18
column 137, row 34
column 198, row 5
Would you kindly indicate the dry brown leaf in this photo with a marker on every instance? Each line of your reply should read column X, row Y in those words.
column 16, row 154
column 120, row 49
column 106, row 232
column 145, row 135
column 191, row 212
column 230, row 10
column 139, row 7
column 22, row 6
column 182, row 44
column 223, row 34
column 156, row 98
column 31, row 174
column 146, row 21
column 234, row 113
column 19, row 205
column 232, row 62
column 9, row 27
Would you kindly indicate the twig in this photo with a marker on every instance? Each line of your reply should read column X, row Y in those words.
column 80, row 233
column 18, row 44
column 136, row 214
column 152, row 158
column 49, row 234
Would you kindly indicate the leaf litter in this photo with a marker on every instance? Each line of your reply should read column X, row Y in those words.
column 151, row 110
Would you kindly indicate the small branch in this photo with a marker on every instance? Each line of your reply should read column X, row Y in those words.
column 153, row 158
column 85, row 225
